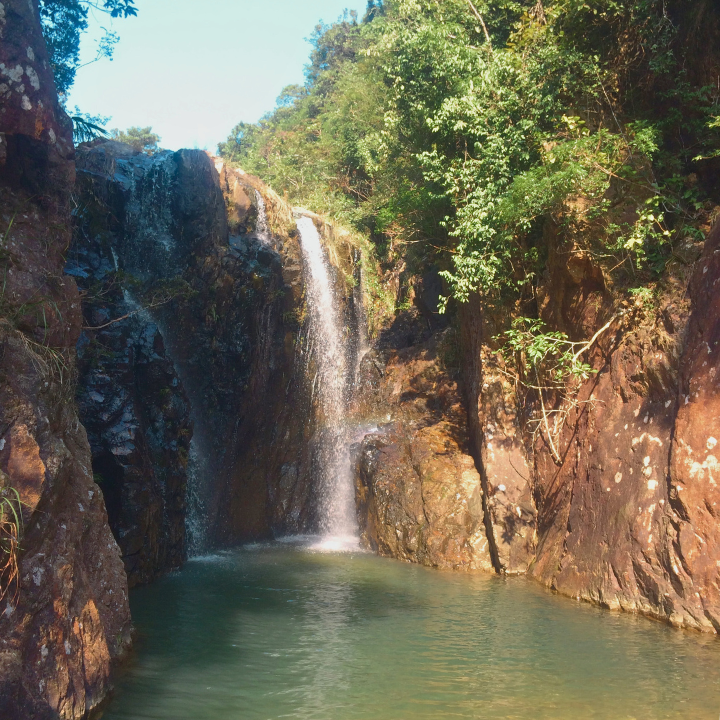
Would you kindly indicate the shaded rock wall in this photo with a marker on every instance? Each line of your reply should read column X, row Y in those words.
column 237, row 339
column 66, row 618
column 136, row 414
column 193, row 280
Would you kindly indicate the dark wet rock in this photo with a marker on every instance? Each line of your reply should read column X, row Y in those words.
column 137, row 417
column 407, row 329
column 189, row 240
column 428, row 293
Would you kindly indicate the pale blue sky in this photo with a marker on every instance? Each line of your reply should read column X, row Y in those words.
column 193, row 69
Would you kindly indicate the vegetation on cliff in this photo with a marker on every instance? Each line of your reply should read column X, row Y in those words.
column 11, row 523
column 64, row 22
column 141, row 139
column 471, row 137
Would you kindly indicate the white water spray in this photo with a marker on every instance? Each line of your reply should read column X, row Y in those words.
column 338, row 522
column 262, row 227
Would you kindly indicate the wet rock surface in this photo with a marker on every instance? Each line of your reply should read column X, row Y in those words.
column 182, row 246
column 65, row 617
column 419, row 494
column 137, row 417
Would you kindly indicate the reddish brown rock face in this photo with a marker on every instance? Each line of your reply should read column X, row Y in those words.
column 67, row 617
column 23, row 464
column 604, row 515
column 30, row 116
column 627, row 516
column 694, row 469
column 498, row 446
column 628, row 519
column 419, row 494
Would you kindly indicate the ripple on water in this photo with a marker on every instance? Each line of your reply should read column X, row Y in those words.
column 284, row 631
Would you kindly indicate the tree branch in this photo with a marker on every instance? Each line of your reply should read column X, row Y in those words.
column 593, row 339
column 127, row 315
column 482, row 22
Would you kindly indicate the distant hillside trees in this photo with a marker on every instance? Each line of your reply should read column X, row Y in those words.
column 141, row 139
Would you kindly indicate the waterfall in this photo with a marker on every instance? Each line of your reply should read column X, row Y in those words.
column 148, row 245
column 196, row 520
column 338, row 521
column 262, row 227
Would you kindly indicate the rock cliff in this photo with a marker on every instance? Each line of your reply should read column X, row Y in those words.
column 195, row 367
column 629, row 518
column 419, row 493
column 616, row 502
column 64, row 616
column 190, row 314
column 136, row 414
column 620, row 506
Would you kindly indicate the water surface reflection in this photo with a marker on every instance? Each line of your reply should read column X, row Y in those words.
column 281, row 631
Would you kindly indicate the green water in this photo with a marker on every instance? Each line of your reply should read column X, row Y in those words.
column 282, row 632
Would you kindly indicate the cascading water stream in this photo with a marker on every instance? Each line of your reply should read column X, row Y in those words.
column 338, row 521
column 152, row 249
column 262, row 227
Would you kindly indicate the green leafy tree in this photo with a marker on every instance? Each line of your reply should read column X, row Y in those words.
column 141, row 139
column 466, row 134
column 63, row 23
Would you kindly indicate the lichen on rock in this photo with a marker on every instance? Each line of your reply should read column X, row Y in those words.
column 68, row 618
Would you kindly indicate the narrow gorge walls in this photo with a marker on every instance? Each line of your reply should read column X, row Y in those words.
column 189, row 354
column 186, row 370
column 64, row 618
